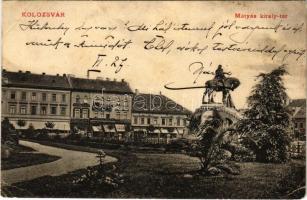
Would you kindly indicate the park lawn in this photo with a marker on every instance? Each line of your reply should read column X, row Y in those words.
column 166, row 176
column 23, row 156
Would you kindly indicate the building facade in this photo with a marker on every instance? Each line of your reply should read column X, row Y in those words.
column 156, row 116
column 96, row 107
column 100, row 107
column 298, row 111
column 36, row 99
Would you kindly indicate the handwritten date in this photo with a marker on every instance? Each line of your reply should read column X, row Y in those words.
column 117, row 63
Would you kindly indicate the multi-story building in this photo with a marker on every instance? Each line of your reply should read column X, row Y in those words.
column 158, row 116
column 298, row 110
column 36, row 99
column 98, row 106
column 101, row 107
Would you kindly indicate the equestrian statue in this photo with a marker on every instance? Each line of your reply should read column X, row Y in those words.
column 220, row 83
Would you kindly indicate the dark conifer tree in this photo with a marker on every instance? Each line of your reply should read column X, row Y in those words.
column 265, row 128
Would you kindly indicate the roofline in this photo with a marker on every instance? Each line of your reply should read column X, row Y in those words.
column 60, row 88
column 104, row 91
column 160, row 112
column 35, row 87
column 187, row 111
column 67, row 79
column 299, row 99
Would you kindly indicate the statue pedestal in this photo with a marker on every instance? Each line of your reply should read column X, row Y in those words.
column 205, row 110
column 210, row 106
column 228, row 115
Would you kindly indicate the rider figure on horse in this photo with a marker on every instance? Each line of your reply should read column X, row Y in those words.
column 220, row 77
column 220, row 74
column 218, row 84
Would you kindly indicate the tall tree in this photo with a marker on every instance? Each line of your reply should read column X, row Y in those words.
column 265, row 128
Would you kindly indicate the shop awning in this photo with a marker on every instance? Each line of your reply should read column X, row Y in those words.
column 164, row 130
column 120, row 127
column 157, row 131
column 180, row 131
column 140, row 129
column 107, row 128
column 175, row 131
column 97, row 128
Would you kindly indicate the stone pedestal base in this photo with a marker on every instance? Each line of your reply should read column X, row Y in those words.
column 211, row 106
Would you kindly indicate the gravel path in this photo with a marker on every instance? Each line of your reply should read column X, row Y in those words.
column 70, row 161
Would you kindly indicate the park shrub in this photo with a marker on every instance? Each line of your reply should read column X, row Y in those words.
column 97, row 178
column 73, row 137
column 243, row 154
column 42, row 136
column 8, row 131
column 179, row 145
column 30, row 132
column 102, row 177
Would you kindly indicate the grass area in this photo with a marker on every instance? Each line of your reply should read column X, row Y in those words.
column 23, row 156
column 165, row 176
column 21, row 148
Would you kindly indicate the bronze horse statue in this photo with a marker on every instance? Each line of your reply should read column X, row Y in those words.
column 215, row 85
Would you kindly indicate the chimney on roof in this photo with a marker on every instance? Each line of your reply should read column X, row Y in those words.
column 19, row 71
column 64, row 75
column 44, row 73
column 160, row 93
column 57, row 74
column 136, row 91
column 107, row 79
column 123, row 80
column 114, row 79
column 28, row 72
column 3, row 70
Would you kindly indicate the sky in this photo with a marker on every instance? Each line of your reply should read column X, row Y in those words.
column 149, row 70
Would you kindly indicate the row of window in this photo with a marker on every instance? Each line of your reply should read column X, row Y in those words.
column 34, row 96
column 101, row 115
column 81, row 113
column 44, row 96
column 298, row 125
column 23, row 110
column 86, row 99
column 84, row 113
column 164, row 121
